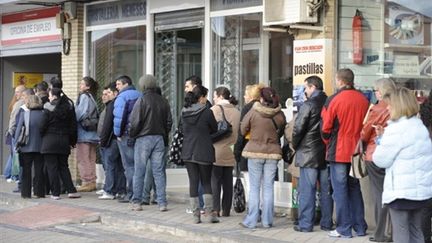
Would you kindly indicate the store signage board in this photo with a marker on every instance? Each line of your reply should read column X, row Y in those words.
column 406, row 65
column 29, row 79
column 312, row 57
column 34, row 26
column 116, row 12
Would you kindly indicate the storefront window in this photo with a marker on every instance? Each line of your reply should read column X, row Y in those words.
column 396, row 43
column 117, row 51
column 236, row 42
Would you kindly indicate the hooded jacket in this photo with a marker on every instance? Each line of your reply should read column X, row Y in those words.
column 197, row 123
column 264, row 142
column 306, row 138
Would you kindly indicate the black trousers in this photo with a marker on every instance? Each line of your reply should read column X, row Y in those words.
column 197, row 173
column 57, row 166
column 222, row 177
column 26, row 162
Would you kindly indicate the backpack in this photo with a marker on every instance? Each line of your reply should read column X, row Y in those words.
column 90, row 120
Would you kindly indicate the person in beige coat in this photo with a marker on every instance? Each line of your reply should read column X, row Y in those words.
column 222, row 172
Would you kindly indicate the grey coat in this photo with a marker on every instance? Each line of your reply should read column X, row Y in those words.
column 34, row 137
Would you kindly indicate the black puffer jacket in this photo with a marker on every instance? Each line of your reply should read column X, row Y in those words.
column 197, row 123
column 58, row 127
column 310, row 149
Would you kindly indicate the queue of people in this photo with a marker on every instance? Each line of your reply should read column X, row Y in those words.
column 133, row 128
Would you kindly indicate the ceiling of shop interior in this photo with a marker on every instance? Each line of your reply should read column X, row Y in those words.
column 11, row 6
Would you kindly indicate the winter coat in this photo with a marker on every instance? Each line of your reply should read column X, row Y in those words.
column 377, row 115
column 106, row 131
column 242, row 140
column 405, row 151
column 13, row 116
column 151, row 115
column 224, row 153
column 58, row 127
column 197, row 123
column 123, row 106
column 342, row 121
column 34, row 137
column 264, row 142
column 306, row 138
column 83, row 104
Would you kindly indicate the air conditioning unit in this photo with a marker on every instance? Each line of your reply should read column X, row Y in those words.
column 285, row 12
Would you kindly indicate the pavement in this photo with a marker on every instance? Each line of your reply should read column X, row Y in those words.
column 88, row 219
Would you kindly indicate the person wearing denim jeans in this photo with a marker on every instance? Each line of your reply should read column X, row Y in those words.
column 310, row 157
column 149, row 185
column 115, row 180
column 123, row 106
column 150, row 124
column 342, row 121
column 265, row 123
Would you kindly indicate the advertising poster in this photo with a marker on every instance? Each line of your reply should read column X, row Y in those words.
column 29, row 80
column 313, row 57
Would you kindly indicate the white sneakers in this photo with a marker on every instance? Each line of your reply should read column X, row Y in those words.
column 106, row 196
column 100, row 192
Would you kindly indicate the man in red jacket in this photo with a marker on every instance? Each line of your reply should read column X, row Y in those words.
column 342, row 119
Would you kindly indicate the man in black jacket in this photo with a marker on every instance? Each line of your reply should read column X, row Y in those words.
column 115, row 180
column 150, row 124
column 310, row 157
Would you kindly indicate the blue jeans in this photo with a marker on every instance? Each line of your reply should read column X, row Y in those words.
column 307, row 191
column 150, row 149
column 348, row 200
column 149, row 184
column 261, row 171
column 127, row 157
column 115, row 180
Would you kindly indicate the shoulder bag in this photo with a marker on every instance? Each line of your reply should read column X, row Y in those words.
column 224, row 128
column 176, row 146
column 358, row 166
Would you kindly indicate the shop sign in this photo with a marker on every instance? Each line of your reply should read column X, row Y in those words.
column 216, row 5
column 406, row 65
column 115, row 12
column 30, row 27
column 29, row 80
column 312, row 57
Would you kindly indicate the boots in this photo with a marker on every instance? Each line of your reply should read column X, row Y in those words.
column 208, row 207
column 194, row 204
column 89, row 187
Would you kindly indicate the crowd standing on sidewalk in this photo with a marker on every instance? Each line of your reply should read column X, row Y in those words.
column 133, row 132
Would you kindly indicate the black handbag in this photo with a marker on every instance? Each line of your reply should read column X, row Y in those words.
column 239, row 198
column 224, row 128
column 176, row 147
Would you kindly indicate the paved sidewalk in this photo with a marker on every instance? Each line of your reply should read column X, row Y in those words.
column 174, row 223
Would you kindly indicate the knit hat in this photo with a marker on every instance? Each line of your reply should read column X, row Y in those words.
column 147, row 82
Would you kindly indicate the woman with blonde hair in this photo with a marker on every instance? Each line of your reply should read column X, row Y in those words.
column 404, row 149
column 252, row 95
column 377, row 115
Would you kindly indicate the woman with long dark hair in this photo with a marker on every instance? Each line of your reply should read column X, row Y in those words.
column 197, row 123
column 266, row 124
column 87, row 116
column 222, row 176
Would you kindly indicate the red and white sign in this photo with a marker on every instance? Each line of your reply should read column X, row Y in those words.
column 30, row 27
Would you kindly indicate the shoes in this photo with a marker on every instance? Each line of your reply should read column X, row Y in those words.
column 326, row 229
column 100, row 192
column 372, row 239
column 16, row 190
column 153, row 202
column 74, row 195
column 163, row 208
column 298, row 229
column 122, row 198
column 245, row 226
column 145, row 203
column 89, row 187
column 136, row 207
column 267, row 226
column 106, row 196
column 189, row 210
column 55, row 197
column 9, row 180
column 336, row 234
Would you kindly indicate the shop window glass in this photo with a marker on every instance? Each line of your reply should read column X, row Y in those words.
column 396, row 43
column 117, row 51
column 236, row 42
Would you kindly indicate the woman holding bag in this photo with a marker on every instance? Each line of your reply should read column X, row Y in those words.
column 222, row 176
column 377, row 115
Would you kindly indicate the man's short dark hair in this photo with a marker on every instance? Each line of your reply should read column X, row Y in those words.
column 42, row 86
column 346, row 75
column 124, row 79
column 195, row 80
column 111, row 86
column 56, row 82
column 315, row 81
column 28, row 91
